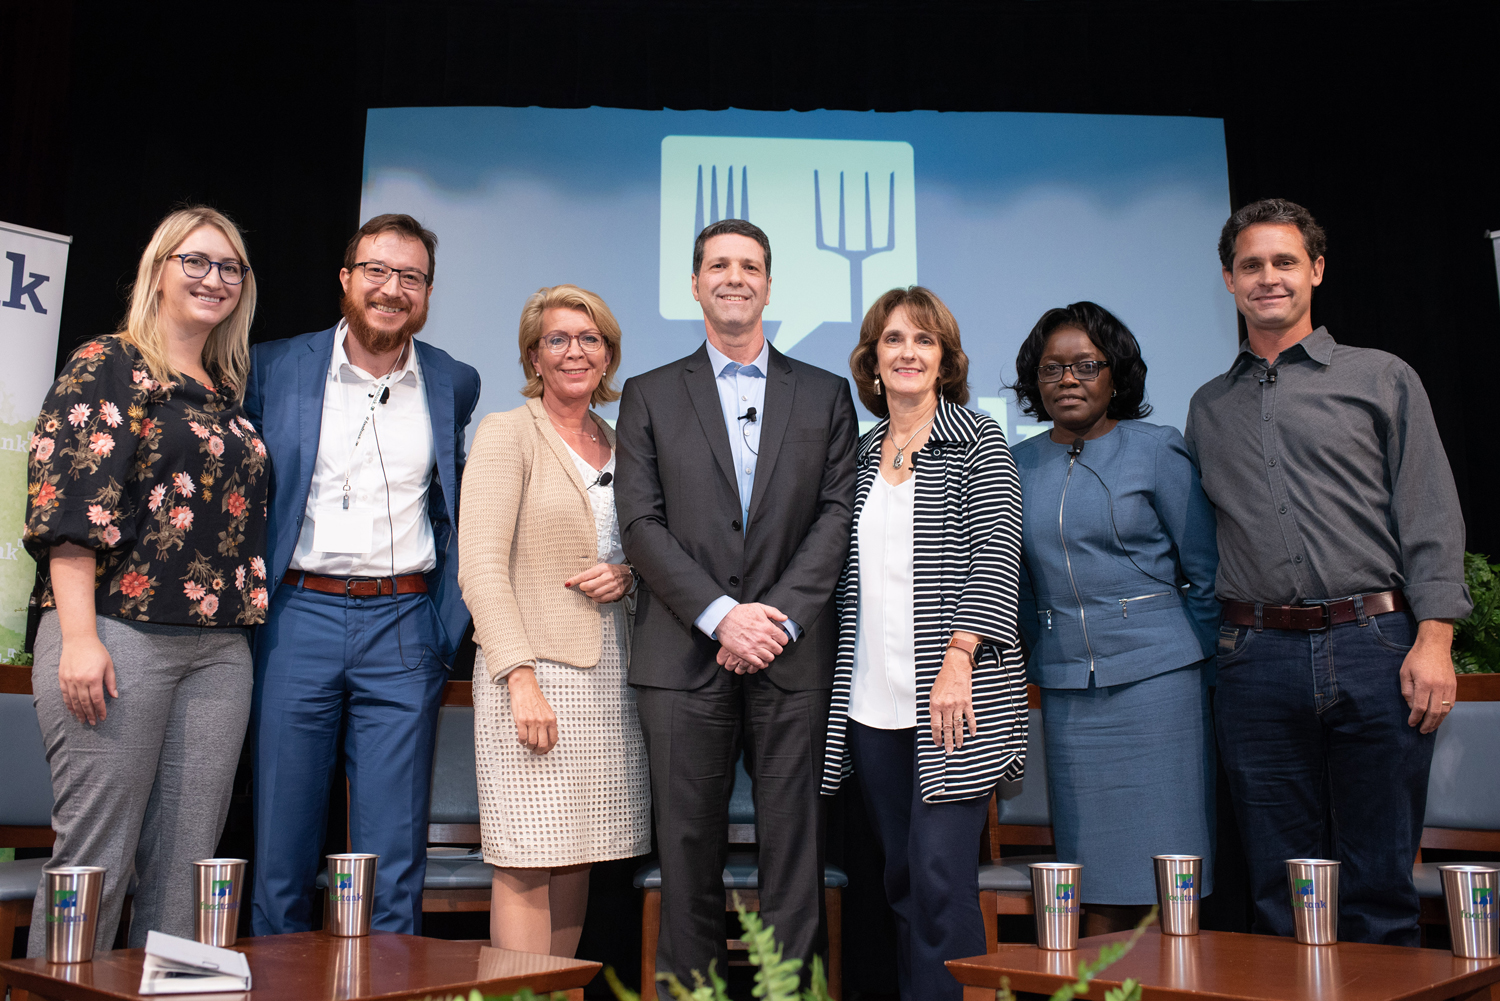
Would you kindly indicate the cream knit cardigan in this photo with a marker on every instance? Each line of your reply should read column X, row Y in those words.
column 525, row 526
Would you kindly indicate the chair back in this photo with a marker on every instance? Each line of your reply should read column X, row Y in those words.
column 25, row 779
column 1463, row 788
column 742, row 806
column 455, row 789
column 1026, row 803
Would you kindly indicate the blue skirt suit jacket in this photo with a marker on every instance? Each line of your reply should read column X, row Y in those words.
column 1085, row 608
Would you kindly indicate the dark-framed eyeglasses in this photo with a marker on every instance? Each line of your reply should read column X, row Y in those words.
column 379, row 274
column 588, row 340
column 1084, row 371
column 198, row 266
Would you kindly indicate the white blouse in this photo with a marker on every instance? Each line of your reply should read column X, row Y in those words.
column 602, row 499
column 883, row 694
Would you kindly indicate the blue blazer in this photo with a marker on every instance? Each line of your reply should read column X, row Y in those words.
column 1133, row 495
column 284, row 399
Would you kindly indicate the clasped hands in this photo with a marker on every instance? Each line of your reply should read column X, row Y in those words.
column 750, row 637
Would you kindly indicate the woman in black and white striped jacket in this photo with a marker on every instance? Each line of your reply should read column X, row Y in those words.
column 929, row 692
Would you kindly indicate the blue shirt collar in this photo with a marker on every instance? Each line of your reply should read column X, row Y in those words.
column 718, row 360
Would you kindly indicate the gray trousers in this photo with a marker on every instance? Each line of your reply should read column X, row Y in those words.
column 145, row 791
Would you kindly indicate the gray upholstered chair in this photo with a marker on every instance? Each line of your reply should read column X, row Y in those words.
column 741, row 877
column 1020, row 814
column 1463, row 797
column 457, row 880
column 25, row 813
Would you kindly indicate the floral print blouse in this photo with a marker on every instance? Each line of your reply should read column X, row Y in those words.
column 167, row 484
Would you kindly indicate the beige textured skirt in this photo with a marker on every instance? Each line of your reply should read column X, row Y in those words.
column 586, row 800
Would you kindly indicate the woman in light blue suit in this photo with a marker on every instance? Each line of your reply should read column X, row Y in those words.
column 1117, row 604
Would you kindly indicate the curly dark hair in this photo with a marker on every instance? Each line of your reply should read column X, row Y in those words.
column 1272, row 210
column 1127, row 370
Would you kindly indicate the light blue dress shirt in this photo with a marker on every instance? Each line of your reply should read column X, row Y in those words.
column 740, row 388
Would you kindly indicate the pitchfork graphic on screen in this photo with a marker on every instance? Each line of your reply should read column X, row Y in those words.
column 815, row 280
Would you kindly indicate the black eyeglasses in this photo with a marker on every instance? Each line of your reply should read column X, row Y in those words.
column 558, row 343
column 1083, row 371
column 379, row 274
column 198, row 266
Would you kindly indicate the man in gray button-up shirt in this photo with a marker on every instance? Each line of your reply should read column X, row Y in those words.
column 1331, row 488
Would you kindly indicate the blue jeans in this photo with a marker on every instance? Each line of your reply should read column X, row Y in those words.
column 327, row 666
column 1322, row 764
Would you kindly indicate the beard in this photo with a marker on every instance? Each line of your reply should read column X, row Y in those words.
column 380, row 341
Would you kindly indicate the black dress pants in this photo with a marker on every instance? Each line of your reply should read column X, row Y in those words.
column 693, row 739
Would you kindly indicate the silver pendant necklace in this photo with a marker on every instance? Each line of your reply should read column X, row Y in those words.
column 901, row 449
column 581, row 434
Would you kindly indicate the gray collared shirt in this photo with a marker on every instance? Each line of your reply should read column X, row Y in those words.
column 1329, row 479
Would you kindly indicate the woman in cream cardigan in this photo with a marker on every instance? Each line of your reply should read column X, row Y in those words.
column 563, row 781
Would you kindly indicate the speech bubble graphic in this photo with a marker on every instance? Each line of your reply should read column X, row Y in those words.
column 841, row 215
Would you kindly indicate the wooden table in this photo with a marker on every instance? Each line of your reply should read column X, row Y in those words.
column 1226, row 965
column 312, row 965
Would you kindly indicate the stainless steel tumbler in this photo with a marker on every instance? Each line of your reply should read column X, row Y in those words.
column 1054, row 889
column 1314, row 885
column 351, row 893
column 1179, row 882
column 1473, row 921
column 217, row 883
column 72, row 911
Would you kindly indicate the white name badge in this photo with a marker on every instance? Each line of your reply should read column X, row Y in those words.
column 340, row 531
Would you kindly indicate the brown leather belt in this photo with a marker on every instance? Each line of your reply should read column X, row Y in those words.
column 1309, row 617
column 357, row 587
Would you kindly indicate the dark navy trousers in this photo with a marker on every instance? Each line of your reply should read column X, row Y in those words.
column 931, row 862
column 1322, row 764
column 367, row 669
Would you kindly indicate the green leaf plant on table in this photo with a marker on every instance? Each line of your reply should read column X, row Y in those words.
column 1129, row 990
column 1476, row 638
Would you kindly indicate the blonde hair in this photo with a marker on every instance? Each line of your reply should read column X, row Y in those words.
column 226, row 354
column 569, row 297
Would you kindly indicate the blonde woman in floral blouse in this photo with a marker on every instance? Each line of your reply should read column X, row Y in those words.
column 147, row 518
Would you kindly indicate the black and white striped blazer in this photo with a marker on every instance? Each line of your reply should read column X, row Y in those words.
column 965, row 564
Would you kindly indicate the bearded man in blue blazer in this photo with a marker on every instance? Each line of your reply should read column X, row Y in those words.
column 365, row 430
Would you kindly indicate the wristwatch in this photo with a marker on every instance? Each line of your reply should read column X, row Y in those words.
column 968, row 647
column 635, row 579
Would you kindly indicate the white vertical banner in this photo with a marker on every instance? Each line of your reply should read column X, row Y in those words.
column 33, row 265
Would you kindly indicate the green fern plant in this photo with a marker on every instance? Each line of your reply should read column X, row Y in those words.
column 1129, row 989
column 1476, row 638
column 776, row 978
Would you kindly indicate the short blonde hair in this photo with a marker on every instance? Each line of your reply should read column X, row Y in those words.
column 569, row 297
column 226, row 354
column 928, row 313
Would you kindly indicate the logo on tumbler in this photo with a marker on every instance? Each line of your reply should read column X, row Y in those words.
column 1484, row 896
column 1062, row 892
column 345, row 881
column 1183, row 885
column 1482, row 899
column 220, row 892
column 1303, row 889
column 65, row 901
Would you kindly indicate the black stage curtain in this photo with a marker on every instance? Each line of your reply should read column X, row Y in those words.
column 1376, row 115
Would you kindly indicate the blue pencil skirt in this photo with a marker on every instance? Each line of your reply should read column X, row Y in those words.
column 1131, row 774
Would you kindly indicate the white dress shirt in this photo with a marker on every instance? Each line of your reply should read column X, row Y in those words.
column 389, row 471
column 740, row 388
column 883, row 693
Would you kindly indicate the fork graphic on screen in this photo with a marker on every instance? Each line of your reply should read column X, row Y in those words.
column 713, row 197
column 855, row 258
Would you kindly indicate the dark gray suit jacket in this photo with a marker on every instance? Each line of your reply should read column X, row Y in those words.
column 679, row 509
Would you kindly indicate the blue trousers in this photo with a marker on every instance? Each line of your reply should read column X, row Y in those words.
column 326, row 665
column 1322, row 764
column 931, row 862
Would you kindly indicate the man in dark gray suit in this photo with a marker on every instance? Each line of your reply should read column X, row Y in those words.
column 735, row 492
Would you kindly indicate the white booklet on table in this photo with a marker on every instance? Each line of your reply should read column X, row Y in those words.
column 181, row 966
